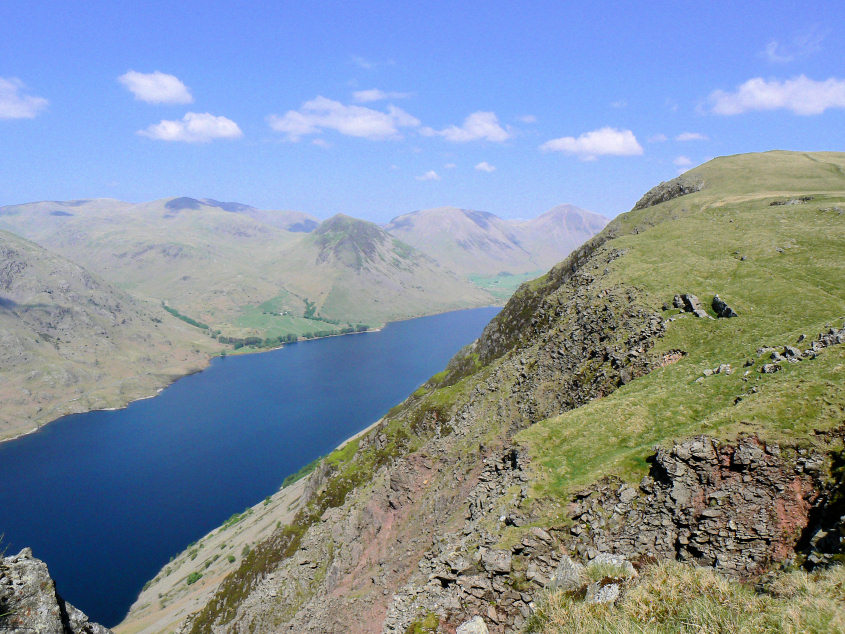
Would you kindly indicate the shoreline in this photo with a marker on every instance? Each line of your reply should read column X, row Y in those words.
column 210, row 358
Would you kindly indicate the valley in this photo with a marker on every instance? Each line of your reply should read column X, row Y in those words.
column 470, row 497
column 210, row 278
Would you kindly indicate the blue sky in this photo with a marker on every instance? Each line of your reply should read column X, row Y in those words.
column 379, row 108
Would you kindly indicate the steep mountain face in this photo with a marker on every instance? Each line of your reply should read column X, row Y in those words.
column 353, row 270
column 29, row 601
column 535, row 448
column 69, row 342
column 477, row 242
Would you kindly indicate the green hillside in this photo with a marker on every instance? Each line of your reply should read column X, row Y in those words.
column 461, row 500
column 780, row 266
column 70, row 342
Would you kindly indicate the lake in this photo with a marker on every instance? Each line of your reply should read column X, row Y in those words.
column 106, row 498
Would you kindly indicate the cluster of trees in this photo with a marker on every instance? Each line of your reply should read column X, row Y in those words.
column 270, row 342
column 258, row 342
column 185, row 318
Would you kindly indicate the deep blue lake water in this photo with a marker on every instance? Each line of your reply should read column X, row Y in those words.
column 105, row 498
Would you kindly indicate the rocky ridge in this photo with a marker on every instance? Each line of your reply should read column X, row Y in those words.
column 349, row 564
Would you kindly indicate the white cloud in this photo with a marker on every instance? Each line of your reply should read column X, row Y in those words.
column 527, row 118
column 195, row 127
column 801, row 95
column 326, row 114
column 691, row 136
column 657, row 138
column 156, row 87
column 430, row 175
column 622, row 103
column 476, row 127
column 601, row 142
column 450, row 166
column 682, row 161
column 16, row 105
column 374, row 94
column 484, row 166
column 775, row 54
column 321, row 143
column 802, row 45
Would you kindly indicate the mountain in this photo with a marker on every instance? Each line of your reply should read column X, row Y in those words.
column 553, row 235
column 476, row 242
column 203, row 260
column 672, row 390
column 244, row 272
column 69, row 342
column 353, row 270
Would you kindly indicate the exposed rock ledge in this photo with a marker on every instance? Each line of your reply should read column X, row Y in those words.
column 29, row 602
column 741, row 507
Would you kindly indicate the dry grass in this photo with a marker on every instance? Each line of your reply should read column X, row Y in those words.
column 675, row 597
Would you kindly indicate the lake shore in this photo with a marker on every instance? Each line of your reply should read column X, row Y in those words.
column 67, row 408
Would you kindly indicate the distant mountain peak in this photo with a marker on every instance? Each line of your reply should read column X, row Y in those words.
column 349, row 240
column 183, row 202
column 479, row 242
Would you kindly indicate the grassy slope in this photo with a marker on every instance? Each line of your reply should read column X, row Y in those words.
column 673, row 597
column 779, row 295
column 683, row 245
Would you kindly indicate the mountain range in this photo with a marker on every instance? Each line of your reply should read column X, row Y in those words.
column 252, row 273
column 105, row 287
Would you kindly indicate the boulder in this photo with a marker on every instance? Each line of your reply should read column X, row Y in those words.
column 568, row 576
column 597, row 593
column 475, row 625
column 722, row 309
column 691, row 302
column 30, row 602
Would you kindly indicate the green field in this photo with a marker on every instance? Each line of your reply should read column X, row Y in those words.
column 503, row 285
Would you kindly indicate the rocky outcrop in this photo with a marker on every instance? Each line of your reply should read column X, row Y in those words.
column 668, row 190
column 722, row 309
column 29, row 601
column 738, row 507
column 691, row 304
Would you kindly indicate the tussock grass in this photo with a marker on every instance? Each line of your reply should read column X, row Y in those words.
column 676, row 597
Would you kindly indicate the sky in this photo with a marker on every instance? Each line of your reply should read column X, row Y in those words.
column 375, row 109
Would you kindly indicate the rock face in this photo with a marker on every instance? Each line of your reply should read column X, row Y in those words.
column 29, row 602
column 668, row 190
column 739, row 508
